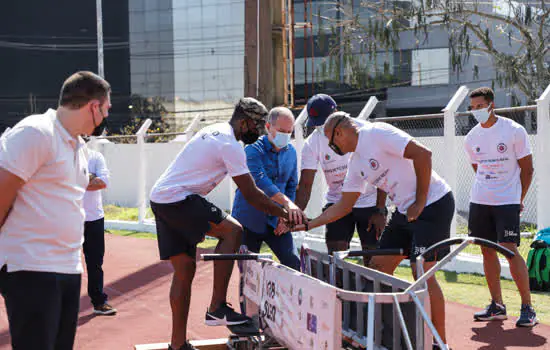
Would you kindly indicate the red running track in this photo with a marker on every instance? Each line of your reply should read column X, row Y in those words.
column 138, row 283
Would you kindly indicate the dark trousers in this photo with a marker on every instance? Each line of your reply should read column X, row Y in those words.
column 282, row 246
column 94, row 250
column 42, row 308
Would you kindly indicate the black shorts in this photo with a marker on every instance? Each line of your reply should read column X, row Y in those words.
column 497, row 223
column 183, row 225
column 344, row 228
column 432, row 226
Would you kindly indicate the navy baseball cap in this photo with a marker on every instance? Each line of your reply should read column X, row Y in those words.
column 319, row 107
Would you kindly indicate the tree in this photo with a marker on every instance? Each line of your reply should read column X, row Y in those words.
column 147, row 108
column 472, row 26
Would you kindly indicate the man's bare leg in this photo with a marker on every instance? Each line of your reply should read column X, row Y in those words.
column 385, row 263
column 491, row 267
column 229, row 233
column 180, row 296
column 437, row 301
column 518, row 269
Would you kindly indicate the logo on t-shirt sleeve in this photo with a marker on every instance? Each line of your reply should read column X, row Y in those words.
column 374, row 164
column 501, row 148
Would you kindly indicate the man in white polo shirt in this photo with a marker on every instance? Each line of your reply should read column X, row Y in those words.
column 43, row 177
column 391, row 160
column 366, row 217
column 184, row 216
column 499, row 151
column 94, row 232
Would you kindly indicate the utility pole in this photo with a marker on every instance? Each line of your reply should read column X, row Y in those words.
column 99, row 20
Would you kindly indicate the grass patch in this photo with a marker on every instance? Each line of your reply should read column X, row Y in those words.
column 134, row 234
column 113, row 212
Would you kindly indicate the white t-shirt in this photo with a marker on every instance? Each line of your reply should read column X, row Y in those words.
column 316, row 150
column 93, row 203
column 496, row 151
column 45, row 228
column 201, row 165
column 378, row 160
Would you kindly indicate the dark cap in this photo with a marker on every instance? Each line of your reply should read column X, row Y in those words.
column 249, row 107
column 319, row 107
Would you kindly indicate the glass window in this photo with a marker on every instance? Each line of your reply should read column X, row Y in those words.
column 430, row 67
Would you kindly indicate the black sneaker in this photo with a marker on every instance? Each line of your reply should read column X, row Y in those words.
column 225, row 316
column 104, row 309
column 528, row 317
column 186, row 346
column 492, row 312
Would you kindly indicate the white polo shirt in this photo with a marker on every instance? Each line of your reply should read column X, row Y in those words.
column 316, row 150
column 378, row 160
column 201, row 165
column 93, row 201
column 496, row 151
column 44, row 230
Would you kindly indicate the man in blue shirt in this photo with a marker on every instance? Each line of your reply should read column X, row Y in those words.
column 273, row 164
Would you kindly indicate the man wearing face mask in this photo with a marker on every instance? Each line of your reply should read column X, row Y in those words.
column 394, row 162
column 273, row 164
column 365, row 216
column 43, row 178
column 184, row 216
column 499, row 151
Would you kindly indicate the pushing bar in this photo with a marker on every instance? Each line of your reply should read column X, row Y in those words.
column 473, row 240
column 212, row 257
column 375, row 252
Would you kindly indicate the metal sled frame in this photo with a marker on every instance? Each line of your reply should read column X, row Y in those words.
column 316, row 264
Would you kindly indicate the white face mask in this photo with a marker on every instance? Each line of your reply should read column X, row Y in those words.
column 281, row 139
column 481, row 115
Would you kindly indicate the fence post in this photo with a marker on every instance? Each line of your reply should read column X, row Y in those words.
column 542, row 160
column 369, row 107
column 449, row 143
column 194, row 126
column 142, row 195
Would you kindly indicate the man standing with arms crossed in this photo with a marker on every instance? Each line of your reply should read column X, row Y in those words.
column 395, row 163
column 365, row 213
column 43, row 177
column 94, row 232
column 499, row 151
column 184, row 217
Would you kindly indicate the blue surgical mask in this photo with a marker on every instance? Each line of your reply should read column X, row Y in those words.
column 481, row 115
column 281, row 139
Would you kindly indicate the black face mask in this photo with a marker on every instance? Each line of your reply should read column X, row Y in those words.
column 98, row 130
column 249, row 137
column 252, row 135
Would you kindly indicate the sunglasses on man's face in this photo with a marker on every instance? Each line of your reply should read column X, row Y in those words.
column 331, row 143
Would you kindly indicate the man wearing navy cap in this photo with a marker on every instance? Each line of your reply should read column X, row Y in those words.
column 368, row 218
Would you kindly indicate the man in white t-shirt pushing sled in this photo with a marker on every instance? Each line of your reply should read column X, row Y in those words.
column 184, row 216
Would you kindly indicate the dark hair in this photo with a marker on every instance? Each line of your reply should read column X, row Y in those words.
column 485, row 92
column 82, row 87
